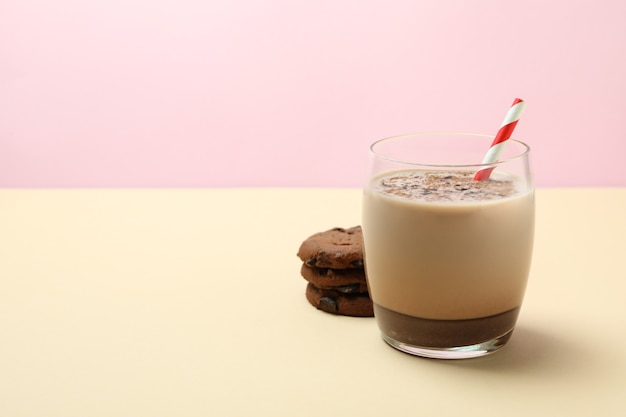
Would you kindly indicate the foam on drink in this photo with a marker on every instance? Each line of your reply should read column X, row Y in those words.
column 443, row 187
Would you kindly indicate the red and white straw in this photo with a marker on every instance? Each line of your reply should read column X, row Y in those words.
column 505, row 132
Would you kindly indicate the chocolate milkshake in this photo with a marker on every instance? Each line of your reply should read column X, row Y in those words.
column 447, row 258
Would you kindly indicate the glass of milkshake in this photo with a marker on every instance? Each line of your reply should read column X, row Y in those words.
column 447, row 256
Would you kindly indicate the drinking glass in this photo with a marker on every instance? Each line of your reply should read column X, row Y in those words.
column 447, row 257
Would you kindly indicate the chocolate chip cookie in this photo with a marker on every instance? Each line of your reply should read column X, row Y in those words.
column 337, row 248
column 335, row 302
column 348, row 281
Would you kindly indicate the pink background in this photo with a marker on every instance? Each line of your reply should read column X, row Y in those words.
column 187, row 93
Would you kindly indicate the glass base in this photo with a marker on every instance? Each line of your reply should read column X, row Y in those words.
column 460, row 352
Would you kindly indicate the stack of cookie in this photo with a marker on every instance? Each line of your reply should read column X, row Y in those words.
column 333, row 267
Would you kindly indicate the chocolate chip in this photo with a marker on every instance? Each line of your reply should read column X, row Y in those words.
column 328, row 304
column 323, row 271
column 349, row 289
column 357, row 264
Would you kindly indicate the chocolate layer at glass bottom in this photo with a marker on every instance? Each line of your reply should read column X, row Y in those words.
column 443, row 333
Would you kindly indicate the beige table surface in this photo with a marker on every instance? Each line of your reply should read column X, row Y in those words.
column 189, row 303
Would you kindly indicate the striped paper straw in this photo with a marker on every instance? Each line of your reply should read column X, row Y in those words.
column 505, row 132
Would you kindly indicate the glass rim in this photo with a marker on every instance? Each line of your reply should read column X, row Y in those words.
column 524, row 153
